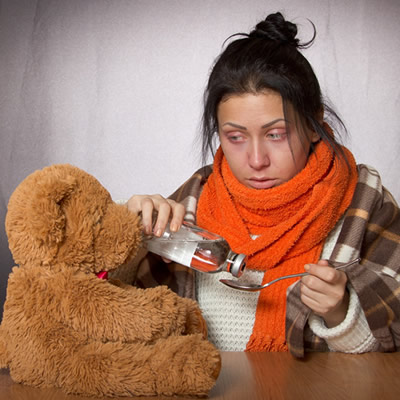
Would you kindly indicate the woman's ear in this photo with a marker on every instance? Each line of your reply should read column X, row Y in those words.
column 315, row 137
column 320, row 119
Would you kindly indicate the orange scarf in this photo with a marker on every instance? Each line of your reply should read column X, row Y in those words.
column 291, row 221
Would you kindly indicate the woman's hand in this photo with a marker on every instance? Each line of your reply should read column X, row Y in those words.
column 167, row 209
column 324, row 291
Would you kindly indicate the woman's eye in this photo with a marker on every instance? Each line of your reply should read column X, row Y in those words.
column 278, row 135
column 235, row 137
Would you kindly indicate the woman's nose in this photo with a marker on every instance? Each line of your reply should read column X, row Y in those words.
column 258, row 157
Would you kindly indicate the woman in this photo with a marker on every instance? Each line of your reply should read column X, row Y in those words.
column 283, row 191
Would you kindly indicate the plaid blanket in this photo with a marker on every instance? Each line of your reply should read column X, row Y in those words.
column 371, row 230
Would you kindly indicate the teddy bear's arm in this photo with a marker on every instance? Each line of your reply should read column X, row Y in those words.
column 107, row 312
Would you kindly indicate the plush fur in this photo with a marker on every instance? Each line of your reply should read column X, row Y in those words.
column 64, row 327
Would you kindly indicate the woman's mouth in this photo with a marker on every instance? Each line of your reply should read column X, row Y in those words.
column 261, row 183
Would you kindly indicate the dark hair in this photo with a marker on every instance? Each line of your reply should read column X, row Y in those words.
column 268, row 58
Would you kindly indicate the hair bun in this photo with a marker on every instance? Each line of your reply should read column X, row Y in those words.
column 276, row 28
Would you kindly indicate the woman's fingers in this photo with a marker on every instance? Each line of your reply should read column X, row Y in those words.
column 324, row 291
column 178, row 213
column 166, row 209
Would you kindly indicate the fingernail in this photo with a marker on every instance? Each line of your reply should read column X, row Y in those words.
column 306, row 267
column 158, row 232
column 174, row 227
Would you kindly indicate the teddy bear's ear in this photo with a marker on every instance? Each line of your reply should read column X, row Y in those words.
column 44, row 210
column 35, row 222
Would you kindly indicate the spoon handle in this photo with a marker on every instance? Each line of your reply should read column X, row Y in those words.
column 251, row 287
column 307, row 273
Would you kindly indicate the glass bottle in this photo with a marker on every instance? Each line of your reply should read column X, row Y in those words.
column 197, row 248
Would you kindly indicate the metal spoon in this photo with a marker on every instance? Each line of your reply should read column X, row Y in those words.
column 250, row 287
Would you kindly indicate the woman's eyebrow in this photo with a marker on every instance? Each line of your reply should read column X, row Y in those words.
column 235, row 126
column 263, row 127
column 273, row 122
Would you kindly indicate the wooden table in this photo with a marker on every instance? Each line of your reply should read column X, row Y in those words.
column 262, row 376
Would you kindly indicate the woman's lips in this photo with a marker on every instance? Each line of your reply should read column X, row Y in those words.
column 257, row 183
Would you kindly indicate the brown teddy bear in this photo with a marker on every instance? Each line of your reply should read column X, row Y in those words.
column 63, row 326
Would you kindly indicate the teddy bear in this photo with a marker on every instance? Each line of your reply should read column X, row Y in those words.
column 66, row 325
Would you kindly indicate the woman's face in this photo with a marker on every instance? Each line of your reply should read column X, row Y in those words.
column 255, row 140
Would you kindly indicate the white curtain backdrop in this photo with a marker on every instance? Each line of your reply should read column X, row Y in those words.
column 115, row 86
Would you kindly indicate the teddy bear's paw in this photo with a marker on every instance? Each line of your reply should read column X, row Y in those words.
column 163, row 313
column 186, row 365
column 195, row 323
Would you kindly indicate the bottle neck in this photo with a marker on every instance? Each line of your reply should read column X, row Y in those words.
column 235, row 263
